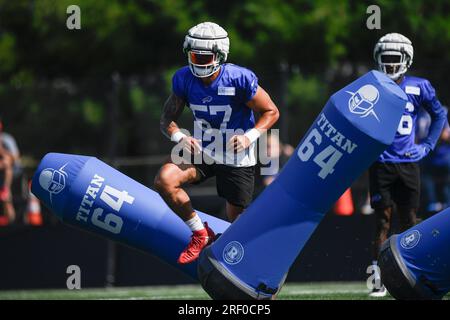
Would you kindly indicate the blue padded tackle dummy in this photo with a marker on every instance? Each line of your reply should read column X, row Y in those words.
column 87, row 193
column 250, row 260
column 416, row 263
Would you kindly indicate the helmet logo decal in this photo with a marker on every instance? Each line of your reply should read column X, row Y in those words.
column 54, row 181
column 362, row 102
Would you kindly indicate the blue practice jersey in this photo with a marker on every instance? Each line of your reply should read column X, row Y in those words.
column 441, row 154
column 421, row 94
column 221, row 106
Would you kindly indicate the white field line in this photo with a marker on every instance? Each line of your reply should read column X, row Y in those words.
column 322, row 291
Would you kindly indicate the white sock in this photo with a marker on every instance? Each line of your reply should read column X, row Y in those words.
column 195, row 224
column 377, row 274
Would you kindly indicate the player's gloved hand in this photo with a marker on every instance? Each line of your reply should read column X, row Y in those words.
column 418, row 151
column 238, row 143
column 191, row 145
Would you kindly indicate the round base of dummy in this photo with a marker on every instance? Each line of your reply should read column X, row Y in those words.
column 396, row 277
column 222, row 285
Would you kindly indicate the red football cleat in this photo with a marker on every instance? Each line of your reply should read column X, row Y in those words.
column 199, row 240
column 211, row 234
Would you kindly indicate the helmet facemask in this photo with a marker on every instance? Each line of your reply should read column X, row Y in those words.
column 393, row 54
column 393, row 63
column 203, row 63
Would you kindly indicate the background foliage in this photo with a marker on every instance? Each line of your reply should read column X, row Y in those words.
column 100, row 90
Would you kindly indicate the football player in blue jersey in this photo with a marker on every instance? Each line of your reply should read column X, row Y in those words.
column 223, row 98
column 395, row 177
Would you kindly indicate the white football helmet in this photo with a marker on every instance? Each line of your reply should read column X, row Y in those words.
column 394, row 55
column 207, row 46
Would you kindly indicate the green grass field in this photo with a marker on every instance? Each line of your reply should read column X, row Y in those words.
column 291, row 291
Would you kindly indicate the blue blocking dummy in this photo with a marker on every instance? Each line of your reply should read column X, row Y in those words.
column 89, row 194
column 252, row 257
column 416, row 263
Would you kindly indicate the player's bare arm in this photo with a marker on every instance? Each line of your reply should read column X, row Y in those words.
column 173, row 107
column 262, row 104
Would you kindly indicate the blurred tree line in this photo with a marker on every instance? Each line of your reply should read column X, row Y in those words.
column 100, row 90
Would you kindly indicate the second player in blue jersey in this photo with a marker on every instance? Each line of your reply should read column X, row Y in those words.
column 395, row 177
column 421, row 94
